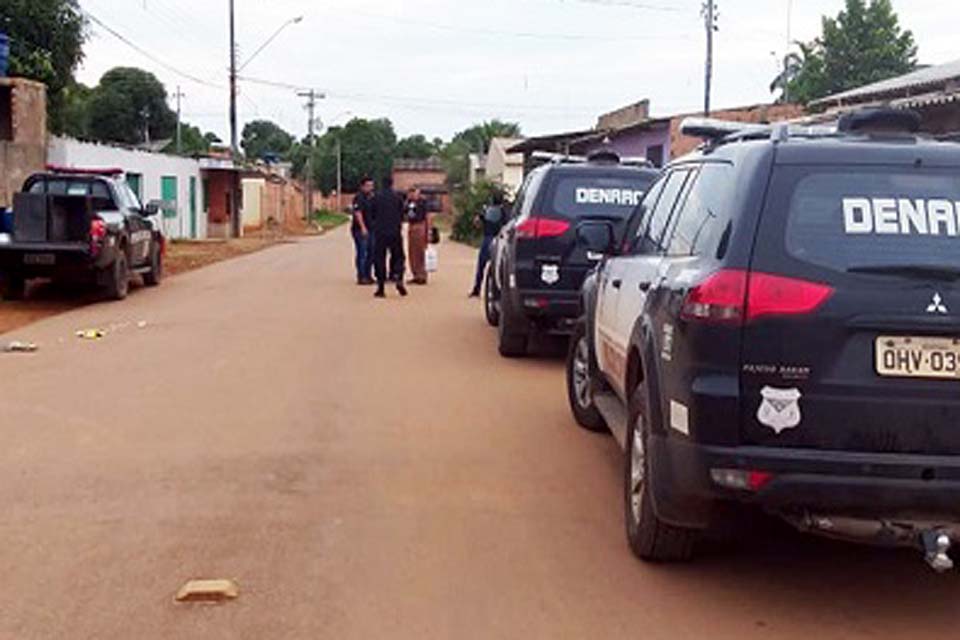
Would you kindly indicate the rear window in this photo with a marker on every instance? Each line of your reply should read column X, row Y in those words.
column 846, row 219
column 598, row 195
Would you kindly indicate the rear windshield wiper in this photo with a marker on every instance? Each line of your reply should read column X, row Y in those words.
column 935, row 271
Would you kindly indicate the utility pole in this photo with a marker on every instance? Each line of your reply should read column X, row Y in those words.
column 311, row 97
column 710, row 21
column 179, row 95
column 235, row 225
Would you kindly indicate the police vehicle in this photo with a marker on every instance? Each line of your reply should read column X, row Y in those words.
column 534, row 280
column 83, row 226
column 782, row 329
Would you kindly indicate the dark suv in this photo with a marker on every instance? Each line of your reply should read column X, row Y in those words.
column 538, row 267
column 783, row 330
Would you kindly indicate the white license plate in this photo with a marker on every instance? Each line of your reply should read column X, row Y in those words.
column 45, row 259
column 918, row 357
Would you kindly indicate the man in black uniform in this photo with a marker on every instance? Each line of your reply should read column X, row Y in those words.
column 362, row 231
column 387, row 227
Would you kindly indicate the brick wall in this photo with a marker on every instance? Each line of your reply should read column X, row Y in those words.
column 24, row 149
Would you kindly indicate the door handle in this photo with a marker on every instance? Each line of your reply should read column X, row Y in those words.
column 644, row 286
column 616, row 283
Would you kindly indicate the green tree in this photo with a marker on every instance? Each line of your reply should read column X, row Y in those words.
column 467, row 204
column 193, row 141
column 127, row 104
column 417, row 147
column 366, row 148
column 46, row 44
column 262, row 137
column 76, row 110
column 476, row 139
column 863, row 44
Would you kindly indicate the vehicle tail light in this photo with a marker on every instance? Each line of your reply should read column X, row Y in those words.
column 719, row 298
column 733, row 295
column 535, row 228
column 741, row 479
column 777, row 295
column 98, row 230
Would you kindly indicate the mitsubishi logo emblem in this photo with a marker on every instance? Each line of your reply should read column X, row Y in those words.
column 937, row 306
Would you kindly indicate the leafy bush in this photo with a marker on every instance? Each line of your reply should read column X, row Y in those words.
column 468, row 203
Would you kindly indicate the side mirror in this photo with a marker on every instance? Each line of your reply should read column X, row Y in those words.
column 153, row 208
column 596, row 237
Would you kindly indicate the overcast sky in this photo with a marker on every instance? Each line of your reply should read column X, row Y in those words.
column 438, row 66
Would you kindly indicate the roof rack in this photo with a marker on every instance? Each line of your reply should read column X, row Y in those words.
column 716, row 132
column 602, row 156
column 880, row 119
column 712, row 129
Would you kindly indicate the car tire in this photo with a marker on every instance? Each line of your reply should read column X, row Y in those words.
column 512, row 330
column 581, row 382
column 650, row 538
column 118, row 278
column 491, row 299
column 13, row 287
column 153, row 277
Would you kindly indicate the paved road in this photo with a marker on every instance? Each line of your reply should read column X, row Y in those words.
column 364, row 469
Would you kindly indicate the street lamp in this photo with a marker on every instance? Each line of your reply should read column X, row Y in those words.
column 276, row 34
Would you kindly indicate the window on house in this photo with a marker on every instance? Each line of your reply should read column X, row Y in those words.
column 135, row 180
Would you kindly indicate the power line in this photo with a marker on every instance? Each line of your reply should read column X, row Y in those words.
column 518, row 34
column 412, row 100
column 632, row 5
column 147, row 54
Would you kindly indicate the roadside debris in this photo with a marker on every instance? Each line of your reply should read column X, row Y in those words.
column 208, row 591
column 142, row 324
column 20, row 347
column 91, row 334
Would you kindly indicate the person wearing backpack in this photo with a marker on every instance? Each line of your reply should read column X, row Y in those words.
column 493, row 217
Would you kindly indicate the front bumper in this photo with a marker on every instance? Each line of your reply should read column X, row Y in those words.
column 866, row 485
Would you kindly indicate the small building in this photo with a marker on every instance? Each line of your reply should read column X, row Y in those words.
column 429, row 176
column 477, row 167
column 176, row 181
column 23, row 134
column 502, row 166
column 220, row 182
column 934, row 92
column 632, row 133
column 271, row 200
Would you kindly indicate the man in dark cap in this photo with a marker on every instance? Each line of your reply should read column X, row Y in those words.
column 387, row 210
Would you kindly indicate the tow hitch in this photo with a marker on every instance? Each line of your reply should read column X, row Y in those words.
column 936, row 544
column 934, row 540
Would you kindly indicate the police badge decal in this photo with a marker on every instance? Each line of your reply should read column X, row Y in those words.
column 780, row 408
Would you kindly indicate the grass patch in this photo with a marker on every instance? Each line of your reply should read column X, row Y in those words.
column 330, row 219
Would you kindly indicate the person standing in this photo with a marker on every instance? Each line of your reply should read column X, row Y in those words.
column 492, row 218
column 387, row 212
column 361, row 229
column 418, row 229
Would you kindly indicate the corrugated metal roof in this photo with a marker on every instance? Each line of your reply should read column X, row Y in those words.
column 937, row 74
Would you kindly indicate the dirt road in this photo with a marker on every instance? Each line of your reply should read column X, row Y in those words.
column 363, row 469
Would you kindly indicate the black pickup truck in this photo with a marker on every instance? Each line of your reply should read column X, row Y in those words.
column 80, row 226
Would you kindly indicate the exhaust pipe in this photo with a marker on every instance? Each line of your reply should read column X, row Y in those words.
column 934, row 540
column 936, row 545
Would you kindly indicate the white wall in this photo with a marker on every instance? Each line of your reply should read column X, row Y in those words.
column 152, row 166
